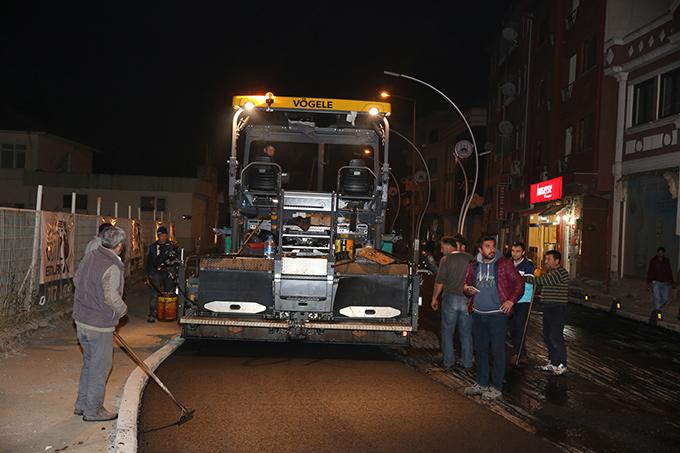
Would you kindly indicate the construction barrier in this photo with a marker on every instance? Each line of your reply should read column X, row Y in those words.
column 41, row 250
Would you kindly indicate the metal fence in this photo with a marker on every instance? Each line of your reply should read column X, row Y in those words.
column 18, row 260
column 27, row 246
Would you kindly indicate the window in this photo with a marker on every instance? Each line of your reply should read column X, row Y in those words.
column 543, row 31
column 81, row 201
column 13, row 156
column 568, row 139
column 670, row 93
column 540, row 94
column 644, row 101
column 152, row 203
column 570, row 21
column 7, row 159
column 585, row 133
column 589, row 54
column 572, row 69
column 433, row 136
column 147, row 203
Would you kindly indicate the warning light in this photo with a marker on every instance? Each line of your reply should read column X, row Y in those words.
column 384, row 95
column 367, row 152
column 269, row 98
column 249, row 105
column 586, row 297
column 659, row 316
column 373, row 111
column 404, row 333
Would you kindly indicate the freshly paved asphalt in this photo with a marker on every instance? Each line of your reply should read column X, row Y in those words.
column 622, row 393
column 299, row 397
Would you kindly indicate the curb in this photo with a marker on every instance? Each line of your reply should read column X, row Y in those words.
column 624, row 314
column 126, row 425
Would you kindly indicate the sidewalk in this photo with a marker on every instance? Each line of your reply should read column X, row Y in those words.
column 635, row 299
column 40, row 383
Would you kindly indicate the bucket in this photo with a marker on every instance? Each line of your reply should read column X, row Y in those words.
column 166, row 307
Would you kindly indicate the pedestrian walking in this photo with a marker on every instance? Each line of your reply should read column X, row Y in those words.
column 158, row 254
column 98, row 307
column 494, row 286
column 454, row 306
column 96, row 241
column 520, row 313
column 554, row 293
column 659, row 278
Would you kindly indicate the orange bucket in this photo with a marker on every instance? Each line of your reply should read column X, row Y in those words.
column 166, row 307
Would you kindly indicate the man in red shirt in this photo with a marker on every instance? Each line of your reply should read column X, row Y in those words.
column 659, row 278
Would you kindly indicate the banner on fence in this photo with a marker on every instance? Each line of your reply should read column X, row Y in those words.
column 57, row 246
column 136, row 248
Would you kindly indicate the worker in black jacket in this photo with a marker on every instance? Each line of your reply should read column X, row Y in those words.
column 161, row 253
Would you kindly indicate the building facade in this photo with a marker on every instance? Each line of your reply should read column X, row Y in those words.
column 64, row 167
column 548, row 171
column 642, row 100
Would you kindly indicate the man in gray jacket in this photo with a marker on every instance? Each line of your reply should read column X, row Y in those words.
column 97, row 309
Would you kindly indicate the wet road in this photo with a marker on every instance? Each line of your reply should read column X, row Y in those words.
column 288, row 397
column 622, row 391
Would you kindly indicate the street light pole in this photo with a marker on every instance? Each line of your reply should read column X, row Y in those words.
column 466, row 204
column 386, row 95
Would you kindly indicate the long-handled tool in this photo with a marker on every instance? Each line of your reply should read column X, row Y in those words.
column 526, row 323
column 185, row 414
column 250, row 235
column 148, row 281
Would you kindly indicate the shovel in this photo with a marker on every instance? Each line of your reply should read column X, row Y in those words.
column 185, row 414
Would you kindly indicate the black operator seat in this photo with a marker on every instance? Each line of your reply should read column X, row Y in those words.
column 263, row 176
column 355, row 179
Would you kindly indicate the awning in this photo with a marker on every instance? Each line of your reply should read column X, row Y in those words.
column 552, row 210
column 530, row 211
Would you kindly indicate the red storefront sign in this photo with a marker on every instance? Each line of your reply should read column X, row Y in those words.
column 546, row 190
column 501, row 201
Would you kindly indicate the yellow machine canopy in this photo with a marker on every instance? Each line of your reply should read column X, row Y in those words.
column 307, row 104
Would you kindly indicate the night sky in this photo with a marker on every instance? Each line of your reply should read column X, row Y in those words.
column 151, row 85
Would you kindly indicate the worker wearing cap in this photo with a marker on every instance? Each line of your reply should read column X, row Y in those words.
column 159, row 254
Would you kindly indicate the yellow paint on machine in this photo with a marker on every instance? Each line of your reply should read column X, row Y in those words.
column 311, row 104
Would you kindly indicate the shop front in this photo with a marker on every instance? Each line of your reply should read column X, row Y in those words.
column 650, row 219
column 554, row 223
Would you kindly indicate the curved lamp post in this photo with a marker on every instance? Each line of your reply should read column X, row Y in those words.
column 387, row 95
column 466, row 203
column 416, row 239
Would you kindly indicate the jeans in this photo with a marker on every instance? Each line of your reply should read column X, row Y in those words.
column 455, row 315
column 517, row 322
column 489, row 333
column 660, row 291
column 163, row 282
column 97, row 360
column 553, row 333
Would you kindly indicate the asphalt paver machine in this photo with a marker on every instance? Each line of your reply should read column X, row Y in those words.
column 308, row 190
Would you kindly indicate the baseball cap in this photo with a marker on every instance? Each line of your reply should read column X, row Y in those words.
column 162, row 230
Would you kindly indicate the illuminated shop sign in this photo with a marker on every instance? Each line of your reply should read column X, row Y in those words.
column 546, row 191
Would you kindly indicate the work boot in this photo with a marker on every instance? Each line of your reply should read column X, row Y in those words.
column 101, row 415
column 78, row 412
